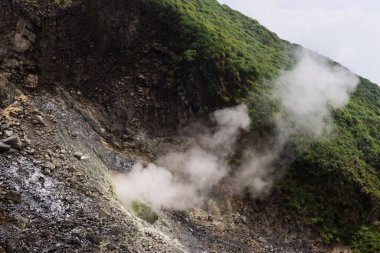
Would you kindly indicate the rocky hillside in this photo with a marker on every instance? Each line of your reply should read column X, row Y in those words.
column 87, row 88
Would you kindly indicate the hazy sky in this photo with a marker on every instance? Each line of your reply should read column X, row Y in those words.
column 347, row 31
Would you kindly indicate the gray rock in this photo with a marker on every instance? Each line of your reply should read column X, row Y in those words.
column 75, row 134
column 14, row 141
column 49, row 165
column 83, row 157
column 30, row 151
column 4, row 147
column 40, row 120
column 78, row 155
column 28, row 141
column 8, row 133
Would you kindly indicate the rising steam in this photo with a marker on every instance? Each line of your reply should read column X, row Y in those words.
column 307, row 94
column 183, row 178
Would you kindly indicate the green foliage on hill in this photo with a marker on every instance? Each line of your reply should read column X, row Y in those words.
column 333, row 185
column 210, row 31
column 63, row 3
column 214, row 40
column 367, row 239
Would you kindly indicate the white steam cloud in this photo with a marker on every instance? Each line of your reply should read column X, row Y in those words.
column 307, row 94
column 183, row 179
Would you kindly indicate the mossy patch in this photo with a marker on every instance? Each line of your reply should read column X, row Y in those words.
column 366, row 240
column 63, row 3
column 144, row 211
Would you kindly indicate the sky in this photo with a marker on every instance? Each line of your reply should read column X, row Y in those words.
column 347, row 31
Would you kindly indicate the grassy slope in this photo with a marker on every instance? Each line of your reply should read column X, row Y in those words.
column 334, row 185
column 213, row 31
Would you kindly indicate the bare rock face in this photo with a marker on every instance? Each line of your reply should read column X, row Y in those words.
column 24, row 36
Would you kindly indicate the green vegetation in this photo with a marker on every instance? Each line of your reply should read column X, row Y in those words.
column 367, row 239
column 215, row 41
column 333, row 185
column 210, row 31
column 144, row 211
column 63, row 3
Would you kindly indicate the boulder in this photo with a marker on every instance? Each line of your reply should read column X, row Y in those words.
column 4, row 147
column 14, row 141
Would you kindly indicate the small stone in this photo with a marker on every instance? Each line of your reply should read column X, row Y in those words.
column 262, row 239
column 49, row 165
column 40, row 120
column 8, row 133
column 14, row 141
column 78, row 155
column 36, row 162
column 30, row 152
